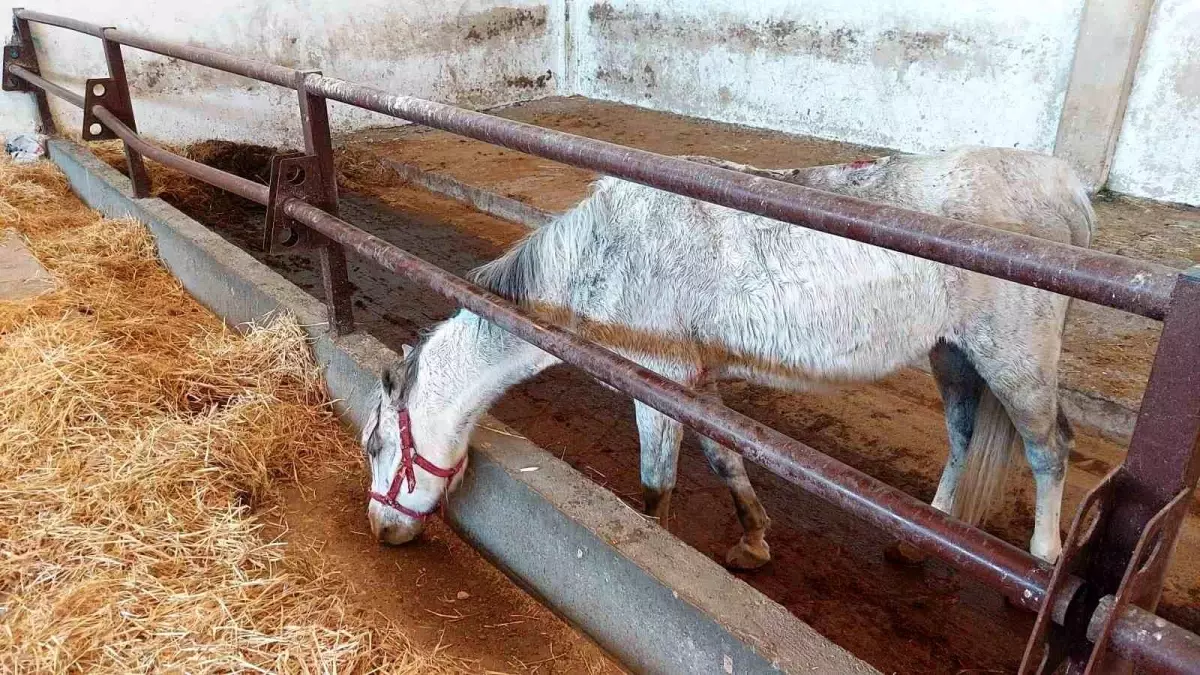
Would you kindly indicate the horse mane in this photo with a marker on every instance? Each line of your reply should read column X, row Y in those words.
column 513, row 276
column 405, row 372
column 542, row 267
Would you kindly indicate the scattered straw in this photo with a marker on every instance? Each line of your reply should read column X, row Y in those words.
column 138, row 438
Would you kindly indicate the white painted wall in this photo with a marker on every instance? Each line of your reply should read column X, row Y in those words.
column 1158, row 152
column 475, row 53
column 915, row 75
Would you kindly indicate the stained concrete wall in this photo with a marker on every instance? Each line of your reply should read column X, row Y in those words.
column 911, row 75
column 475, row 53
column 1158, row 153
column 915, row 75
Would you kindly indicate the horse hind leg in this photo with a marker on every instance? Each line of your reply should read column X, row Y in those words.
column 960, row 387
column 1048, row 462
column 752, row 551
column 1028, row 390
column 660, row 436
column 1047, row 452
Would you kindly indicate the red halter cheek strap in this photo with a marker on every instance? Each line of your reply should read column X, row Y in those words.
column 406, row 472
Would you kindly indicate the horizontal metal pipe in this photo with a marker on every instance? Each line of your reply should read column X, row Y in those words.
column 1150, row 642
column 46, row 85
column 60, row 21
column 255, row 70
column 1135, row 286
column 1004, row 567
column 1116, row 281
column 255, row 192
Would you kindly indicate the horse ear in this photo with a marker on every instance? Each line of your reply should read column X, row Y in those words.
column 388, row 380
column 392, row 382
column 369, row 426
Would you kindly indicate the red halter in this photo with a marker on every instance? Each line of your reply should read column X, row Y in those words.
column 407, row 473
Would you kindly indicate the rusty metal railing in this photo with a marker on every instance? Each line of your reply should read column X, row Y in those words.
column 1093, row 609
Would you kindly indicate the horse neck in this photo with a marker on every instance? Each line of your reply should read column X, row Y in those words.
column 463, row 368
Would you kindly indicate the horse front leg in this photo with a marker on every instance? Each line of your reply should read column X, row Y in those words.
column 752, row 551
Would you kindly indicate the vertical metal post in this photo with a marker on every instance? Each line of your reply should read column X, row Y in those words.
column 314, row 118
column 1140, row 506
column 116, row 72
column 23, row 38
column 1163, row 464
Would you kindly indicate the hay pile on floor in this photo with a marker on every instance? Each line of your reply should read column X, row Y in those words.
column 136, row 438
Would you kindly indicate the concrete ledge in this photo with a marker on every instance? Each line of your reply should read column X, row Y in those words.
column 487, row 202
column 651, row 601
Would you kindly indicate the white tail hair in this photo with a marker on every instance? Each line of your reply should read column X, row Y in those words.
column 989, row 454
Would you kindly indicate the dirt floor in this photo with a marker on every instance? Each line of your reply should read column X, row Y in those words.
column 442, row 591
column 828, row 569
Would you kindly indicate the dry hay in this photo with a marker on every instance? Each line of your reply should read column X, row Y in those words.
column 138, row 438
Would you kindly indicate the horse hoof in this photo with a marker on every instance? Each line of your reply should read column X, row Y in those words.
column 745, row 556
column 901, row 553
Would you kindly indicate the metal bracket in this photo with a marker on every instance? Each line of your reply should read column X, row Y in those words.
column 1126, row 528
column 1142, row 581
column 104, row 91
column 21, row 51
column 1064, row 613
column 1082, row 638
column 19, row 54
column 293, row 176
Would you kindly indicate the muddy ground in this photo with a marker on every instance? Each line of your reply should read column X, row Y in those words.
column 828, row 569
column 442, row 591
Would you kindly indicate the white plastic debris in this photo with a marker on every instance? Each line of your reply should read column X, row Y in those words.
column 25, row 147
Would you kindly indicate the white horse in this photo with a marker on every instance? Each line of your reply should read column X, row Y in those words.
column 701, row 293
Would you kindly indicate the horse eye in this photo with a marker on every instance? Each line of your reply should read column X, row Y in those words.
column 373, row 446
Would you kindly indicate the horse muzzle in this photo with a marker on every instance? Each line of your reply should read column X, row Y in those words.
column 392, row 530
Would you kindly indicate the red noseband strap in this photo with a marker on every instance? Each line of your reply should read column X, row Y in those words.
column 406, row 472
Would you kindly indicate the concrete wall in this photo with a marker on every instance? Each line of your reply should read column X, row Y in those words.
column 914, row 75
column 476, row 53
column 1158, row 154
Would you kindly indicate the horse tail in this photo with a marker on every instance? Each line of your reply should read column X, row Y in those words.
column 994, row 443
column 1082, row 220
